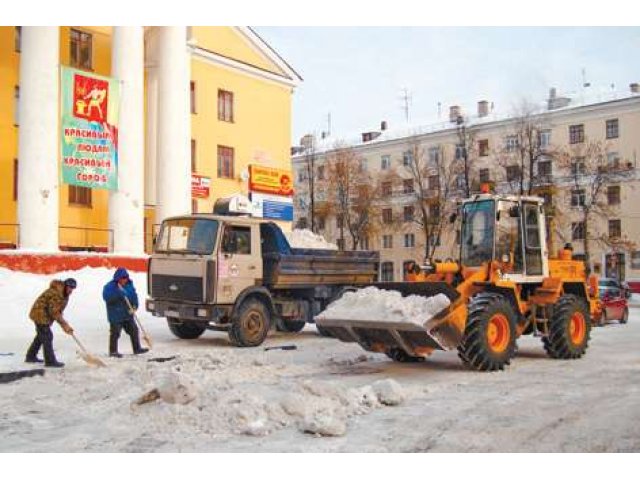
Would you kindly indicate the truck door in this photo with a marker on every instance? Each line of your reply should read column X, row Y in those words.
column 533, row 239
column 239, row 261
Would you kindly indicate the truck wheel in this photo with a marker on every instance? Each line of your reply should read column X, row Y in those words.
column 292, row 326
column 251, row 325
column 569, row 328
column 625, row 316
column 186, row 331
column 489, row 341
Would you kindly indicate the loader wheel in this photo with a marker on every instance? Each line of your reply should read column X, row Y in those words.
column 489, row 341
column 251, row 325
column 292, row 326
column 569, row 328
column 186, row 331
column 625, row 316
column 399, row 355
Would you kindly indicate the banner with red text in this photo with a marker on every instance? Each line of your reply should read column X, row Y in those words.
column 89, row 126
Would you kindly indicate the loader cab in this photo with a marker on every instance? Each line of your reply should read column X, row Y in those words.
column 508, row 229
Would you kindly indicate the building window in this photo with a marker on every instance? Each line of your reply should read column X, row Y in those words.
column 16, row 106
column 225, row 106
column 434, row 155
column 386, row 272
column 511, row 143
column 577, row 198
column 613, row 161
column 321, row 172
column 407, row 158
column 615, row 228
column 613, row 195
column 81, row 46
column 576, row 134
column 408, row 213
column 387, row 215
column 409, row 240
column 17, row 33
column 544, row 138
column 578, row 166
column 577, row 231
column 364, row 243
column 320, row 223
column 192, row 97
column 79, row 196
column 485, row 176
column 339, row 221
column 434, row 240
column 363, row 166
column 387, row 189
column 434, row 213
column 340, row 243
column 387, row 241
column 225, row 162
column 193, row 156
column 302, row 175
column 407, row 186
column 513, row 173
column 483, row 147
column 544, row 168
column 385, row 162
column 459, row 151
column 461, row 183
column 612, row 128
column 15, row 179
column 434, row 182
column 635, row 260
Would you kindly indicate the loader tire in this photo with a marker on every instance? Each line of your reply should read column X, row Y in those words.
column 251, row 325
column 489, row 341
column 186, row 331
column 569, row 328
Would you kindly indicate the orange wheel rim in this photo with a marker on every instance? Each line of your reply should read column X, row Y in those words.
column 577, row 328
column 498, row 333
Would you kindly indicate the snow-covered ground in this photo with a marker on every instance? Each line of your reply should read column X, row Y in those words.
column 324, row 396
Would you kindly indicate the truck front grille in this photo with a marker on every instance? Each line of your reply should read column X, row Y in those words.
column 176, row 288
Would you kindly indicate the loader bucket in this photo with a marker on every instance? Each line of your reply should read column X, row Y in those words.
column 416, row 339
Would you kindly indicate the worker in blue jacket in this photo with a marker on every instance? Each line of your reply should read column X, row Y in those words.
column 120, row 314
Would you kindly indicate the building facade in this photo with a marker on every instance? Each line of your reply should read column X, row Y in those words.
column 196, row 104
column 581, row 141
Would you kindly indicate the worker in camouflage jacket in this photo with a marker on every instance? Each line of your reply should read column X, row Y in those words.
column 48, row 308
column 122, row 301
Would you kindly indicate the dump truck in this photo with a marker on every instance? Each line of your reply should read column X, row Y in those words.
column 503, row 284
column 239, row 274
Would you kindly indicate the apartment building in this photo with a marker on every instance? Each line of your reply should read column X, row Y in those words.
column 581, row 141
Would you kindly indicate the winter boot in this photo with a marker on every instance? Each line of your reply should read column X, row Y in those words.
column 140, row 351
column 33, row 360
column 55, row 364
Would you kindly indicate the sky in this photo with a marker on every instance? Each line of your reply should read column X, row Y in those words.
column 359, row 74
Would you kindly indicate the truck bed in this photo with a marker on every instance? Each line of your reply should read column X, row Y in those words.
column 311, row 267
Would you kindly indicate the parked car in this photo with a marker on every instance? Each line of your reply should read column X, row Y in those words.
column 614, row 283
column 614, row 305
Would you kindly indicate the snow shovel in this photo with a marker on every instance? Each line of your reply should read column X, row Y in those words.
column 86, row 356
column 145, row 335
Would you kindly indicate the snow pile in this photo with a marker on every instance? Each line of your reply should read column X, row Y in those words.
column 378, row 305
column 177, row 389
column 389, row 392
column 303, row 238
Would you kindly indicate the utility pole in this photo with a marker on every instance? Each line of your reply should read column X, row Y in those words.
column 406, row 102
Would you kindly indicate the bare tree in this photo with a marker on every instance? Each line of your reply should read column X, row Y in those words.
column 591, row 171
column 433, row 184
column 352, row 196
column 466, row 153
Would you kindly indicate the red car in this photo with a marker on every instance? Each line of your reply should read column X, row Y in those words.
column 614, row 305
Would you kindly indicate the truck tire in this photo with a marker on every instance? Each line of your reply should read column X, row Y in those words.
column 186, row 331
column 251, row 325
column 569, row 328
column 489, row 341
column 292, row 326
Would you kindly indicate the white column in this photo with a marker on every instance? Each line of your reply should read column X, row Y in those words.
column 174, row 124
column 38, row 138
column 126, row 205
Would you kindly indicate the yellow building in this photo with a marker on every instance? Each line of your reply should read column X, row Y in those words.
column 239, row 91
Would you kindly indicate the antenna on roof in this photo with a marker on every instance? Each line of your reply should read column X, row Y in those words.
column 585, row 84
column 406, row 100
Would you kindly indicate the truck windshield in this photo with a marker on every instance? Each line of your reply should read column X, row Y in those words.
column 187, row 235
column 478, row 223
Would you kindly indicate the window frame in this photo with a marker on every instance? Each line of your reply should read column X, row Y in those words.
column 576, row 133
column 79, row 196
column 222, row 149
column 612, row 128
column 226, row 103
column 84, row 38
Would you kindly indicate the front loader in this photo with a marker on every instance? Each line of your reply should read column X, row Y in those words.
column 503, row 286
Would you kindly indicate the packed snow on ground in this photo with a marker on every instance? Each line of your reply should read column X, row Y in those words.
column 377, row 305
column 304, row 238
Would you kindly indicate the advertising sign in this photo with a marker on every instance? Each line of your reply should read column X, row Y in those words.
column 89, row 128
column 200, row 186
column 270, row 180
column 272, row 207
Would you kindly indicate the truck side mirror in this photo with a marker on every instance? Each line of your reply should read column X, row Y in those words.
column 514, row 212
